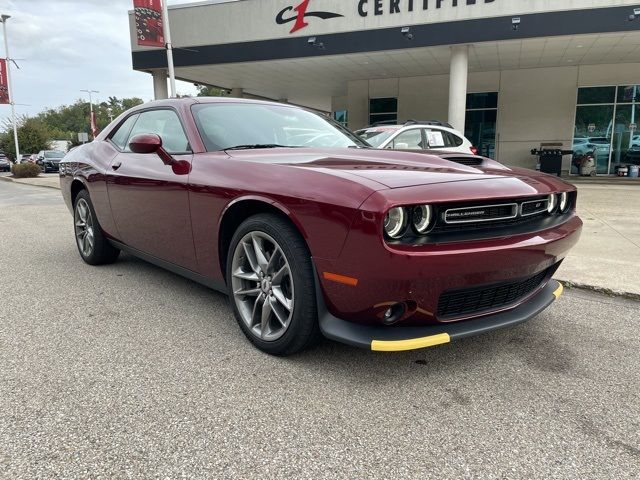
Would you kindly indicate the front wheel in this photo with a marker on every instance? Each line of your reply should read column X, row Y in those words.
column 92, row 244
column 271, row 285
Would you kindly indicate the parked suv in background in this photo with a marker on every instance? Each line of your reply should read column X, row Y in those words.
column 26, row 158
column 49, row 160
column 417, row 135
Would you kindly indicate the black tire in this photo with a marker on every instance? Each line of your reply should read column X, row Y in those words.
column 102, row 252
column 303, row 330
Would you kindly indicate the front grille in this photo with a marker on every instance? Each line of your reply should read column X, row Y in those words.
column 473, row 301
column 489, row 217
column 534, row 207
column 481, row 213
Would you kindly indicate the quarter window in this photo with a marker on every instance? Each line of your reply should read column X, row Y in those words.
column 166, row 124
column 439, row 139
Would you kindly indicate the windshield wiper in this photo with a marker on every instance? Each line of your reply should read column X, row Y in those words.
column 258, row 146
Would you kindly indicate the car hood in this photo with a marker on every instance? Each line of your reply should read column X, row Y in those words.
column 390, row 169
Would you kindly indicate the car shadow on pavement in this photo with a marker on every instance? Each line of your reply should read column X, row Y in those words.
column 531, row 343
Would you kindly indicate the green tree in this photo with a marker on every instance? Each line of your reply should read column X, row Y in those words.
column 33, row 136
column 69, row 120
column 207, row 91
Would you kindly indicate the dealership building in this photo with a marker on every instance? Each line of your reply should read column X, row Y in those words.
column 513, row 75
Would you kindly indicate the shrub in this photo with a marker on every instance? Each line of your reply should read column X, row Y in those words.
column 26, row 170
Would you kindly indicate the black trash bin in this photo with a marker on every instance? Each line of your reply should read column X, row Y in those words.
column 551, row 159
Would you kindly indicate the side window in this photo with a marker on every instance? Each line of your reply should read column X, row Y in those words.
column 436, row 138
column 442, row 139
column 409, row 140
column 454, row 139
column 166, row 124
column 119, row 138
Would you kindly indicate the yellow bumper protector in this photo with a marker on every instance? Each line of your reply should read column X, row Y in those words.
column 559, row 291
column 412, row 344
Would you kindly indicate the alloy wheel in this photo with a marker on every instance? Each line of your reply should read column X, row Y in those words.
column 85, row 234
column 262, row 286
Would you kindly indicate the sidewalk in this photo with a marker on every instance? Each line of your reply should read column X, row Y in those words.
column 608, row 255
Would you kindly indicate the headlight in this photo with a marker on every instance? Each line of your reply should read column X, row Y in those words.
column 564, row 202
column 395, row 222
column 553, row 203
column 422, row 218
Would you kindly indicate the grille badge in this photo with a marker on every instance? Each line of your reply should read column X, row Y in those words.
column 482, row 213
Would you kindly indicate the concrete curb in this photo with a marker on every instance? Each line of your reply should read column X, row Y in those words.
column 13, row 180
column 604, row 291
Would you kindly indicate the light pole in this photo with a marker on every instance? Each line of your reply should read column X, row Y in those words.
column 169, row 46
column 9, row 85
column 90, row 92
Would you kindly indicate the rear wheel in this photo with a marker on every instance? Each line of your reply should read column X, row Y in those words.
column 271, row 285
column 93, row 246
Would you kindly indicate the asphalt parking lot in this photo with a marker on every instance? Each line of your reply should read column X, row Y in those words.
column 131, row 371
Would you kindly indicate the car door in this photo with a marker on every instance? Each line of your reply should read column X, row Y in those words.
column 149, row 201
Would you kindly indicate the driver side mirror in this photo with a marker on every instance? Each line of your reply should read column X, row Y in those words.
column 148, row 143
column 145, row 144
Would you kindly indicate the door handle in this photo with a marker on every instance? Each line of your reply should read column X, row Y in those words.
column 116, row 165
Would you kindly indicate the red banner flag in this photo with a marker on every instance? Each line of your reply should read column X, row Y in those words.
column 149, row 27
column 4, row 83
column 94, row 125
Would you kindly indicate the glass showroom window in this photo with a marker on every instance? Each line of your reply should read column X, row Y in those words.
column 482, row 116
column 342, row 117
column 606, row 127
column 383, row 110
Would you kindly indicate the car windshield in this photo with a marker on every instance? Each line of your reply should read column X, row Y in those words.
column 376, row 137
column 53, row 154
column 226, row 126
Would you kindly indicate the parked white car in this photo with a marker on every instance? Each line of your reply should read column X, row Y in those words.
column 417, row 135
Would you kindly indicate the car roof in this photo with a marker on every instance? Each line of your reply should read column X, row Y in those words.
column 172, row 102
column 385, row 128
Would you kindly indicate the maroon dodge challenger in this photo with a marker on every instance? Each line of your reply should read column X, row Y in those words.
column 310, row 231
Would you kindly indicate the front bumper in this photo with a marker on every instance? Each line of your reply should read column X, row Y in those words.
column 422, row 277
column 396, row 339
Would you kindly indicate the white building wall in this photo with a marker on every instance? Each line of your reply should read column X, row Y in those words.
column 618, row 74
column 535, row 106
column 424, row 98
column 358, row 104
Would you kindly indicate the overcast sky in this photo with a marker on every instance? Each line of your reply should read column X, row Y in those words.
column 65, row 46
